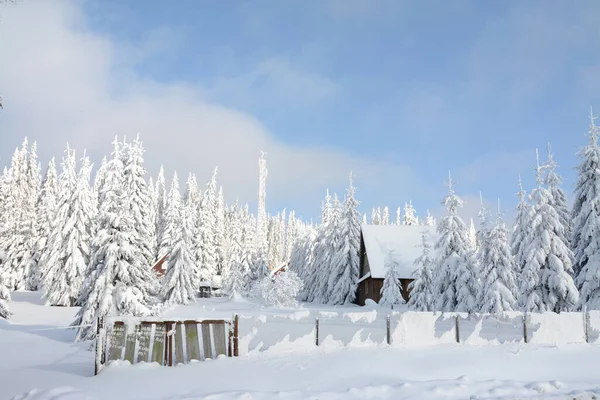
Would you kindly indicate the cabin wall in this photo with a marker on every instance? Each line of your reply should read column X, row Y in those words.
column 370, row 288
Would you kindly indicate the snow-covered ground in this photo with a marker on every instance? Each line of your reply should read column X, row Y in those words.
column 33, row 355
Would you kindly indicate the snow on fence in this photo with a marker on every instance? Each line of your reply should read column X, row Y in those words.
column 307, row 329
column 171, row 342
column 168, row 343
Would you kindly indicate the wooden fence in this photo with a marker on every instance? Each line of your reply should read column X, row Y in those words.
column 166, row 342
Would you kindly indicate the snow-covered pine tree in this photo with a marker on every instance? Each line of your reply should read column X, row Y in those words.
column 409, row 214
column 330, row 246
column 45, row 211
column 545, row 281
column 430, row 220
column 238, row 280
column 343, row 277
column 291, row 235
column 219, row 233
column 376, row 216
column 122, row 282
column 192, row 201
column 559, row 198
column 520, row 230
column 472, row 236
column 99, row 178
column 421, row 288
column 453, row 267
column 70, row 241
column 171, row 225
column 586, row 221
column 4, row 298
column 139, row 197
column 179, row 283
column 390, row 291
column 160, row 210
column 208, row 212
column 499, row 290
column 320, row 256
column 365, row 219
column 20, row 236
column 385, row 217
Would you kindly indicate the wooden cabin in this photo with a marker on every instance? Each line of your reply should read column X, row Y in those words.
column 376, row 241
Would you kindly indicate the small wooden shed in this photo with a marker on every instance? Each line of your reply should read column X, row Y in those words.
column 375, row 243
column 159, row 267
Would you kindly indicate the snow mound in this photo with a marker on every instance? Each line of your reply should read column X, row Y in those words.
column 63, row 393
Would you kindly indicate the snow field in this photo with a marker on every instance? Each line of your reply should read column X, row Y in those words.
column 36, row 355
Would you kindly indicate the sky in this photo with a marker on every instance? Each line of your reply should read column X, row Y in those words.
column 398, row 92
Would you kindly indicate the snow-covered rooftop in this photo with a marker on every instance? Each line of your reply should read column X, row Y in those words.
column 403, row 240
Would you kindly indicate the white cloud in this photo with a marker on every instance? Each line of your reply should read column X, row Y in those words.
column 63, row 82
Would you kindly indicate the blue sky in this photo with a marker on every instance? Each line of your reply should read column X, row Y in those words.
column 398, row 91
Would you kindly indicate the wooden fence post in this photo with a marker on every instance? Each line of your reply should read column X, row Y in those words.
column 457, row 323
column 388, row 331
column 236, row 333
column 317, row 331
column 586, row 324
column 99, row 361
column 525, row 338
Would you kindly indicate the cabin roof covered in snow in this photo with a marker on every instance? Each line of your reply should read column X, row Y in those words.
column 403, row 240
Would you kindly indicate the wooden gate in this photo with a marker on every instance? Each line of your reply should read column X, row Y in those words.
column 165, row 342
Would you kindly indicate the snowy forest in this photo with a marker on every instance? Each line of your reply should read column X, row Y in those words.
column 92, row 239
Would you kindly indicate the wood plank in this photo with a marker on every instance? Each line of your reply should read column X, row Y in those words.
column 130, row 344
column 144, row 342
column 158, row 346
column 192, row 343
column 117, row 342
column 178, row 343
column 206, row 346
column 220, row 339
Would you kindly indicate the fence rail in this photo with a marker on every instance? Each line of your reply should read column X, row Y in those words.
column 167, row 342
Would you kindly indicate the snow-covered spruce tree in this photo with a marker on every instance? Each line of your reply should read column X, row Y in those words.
column 219, row 233
column 170, row 219
column 398, row 216
column 343, row 277
column 207, row 238
column 179, row 283
column 122, row 281
column 4, row 298
column 385, row 217
column 484, row 229
column 160, row 210
column 238, row 280
column 19, row 239
column 320, row 255
column 69, row 256
column 421, row 288
column 390, row 291
column 376, row 216
column 429, row 220
column 453, row 275
column 545, row 281
column 330, row 244
column 520, row 230
column 409, row 214
column 499, row 290
column 291, row 235
column 586, row 221
column 559, row 198
column 45, row 211
column 281, row 290
column 99, row 178
column 192, row 201
column 472, row 235
column 139, row 197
